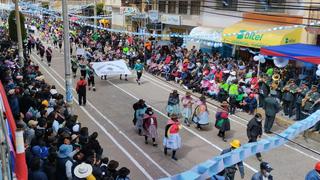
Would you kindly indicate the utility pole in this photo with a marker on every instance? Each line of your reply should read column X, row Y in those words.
column 95, row 16
column 18, row 24
column 67, row 61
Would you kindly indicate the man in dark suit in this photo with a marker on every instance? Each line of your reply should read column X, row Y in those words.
column 271, row 108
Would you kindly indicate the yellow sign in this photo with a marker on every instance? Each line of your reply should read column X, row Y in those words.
column 259, row 39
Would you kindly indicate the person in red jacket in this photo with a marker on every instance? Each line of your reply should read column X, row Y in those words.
column 81, row 90
column 150, row 126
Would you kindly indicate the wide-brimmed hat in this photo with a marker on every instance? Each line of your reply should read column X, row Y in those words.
column 53, row 91
column 64, row 150
column 83, row 170
column 224, row 104
column 11, row 91
column 233, row 73
column 45, row 103
column 39, row 78
column 32, row 123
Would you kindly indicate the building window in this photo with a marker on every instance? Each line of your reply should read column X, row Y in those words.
column 162, row 6
column 227, row 4
column 195, row 7
column 270, row 6
column 183, row 7
column 172, row 7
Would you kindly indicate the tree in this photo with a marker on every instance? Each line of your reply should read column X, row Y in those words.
column 13, row 26
column 100, row 8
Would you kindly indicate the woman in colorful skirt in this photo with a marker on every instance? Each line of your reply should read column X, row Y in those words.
column 222, row 120
column 172, row 139
column 150, row 126
column 173, row 106
column 201, row 114
column 139, row 117
column 187, row 102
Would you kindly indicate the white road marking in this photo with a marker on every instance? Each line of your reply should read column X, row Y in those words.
column 116, row 128
column 102, row 128
column 188, row 129
column 156, row 82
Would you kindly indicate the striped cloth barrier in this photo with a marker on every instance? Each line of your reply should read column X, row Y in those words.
column 216, row 164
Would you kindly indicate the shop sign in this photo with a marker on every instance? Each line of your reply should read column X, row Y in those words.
column 129, row 10
column 154, row 16
column 171, row 19
column 250, row 36
column 139, row 16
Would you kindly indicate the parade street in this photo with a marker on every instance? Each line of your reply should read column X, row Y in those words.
column 109, row 112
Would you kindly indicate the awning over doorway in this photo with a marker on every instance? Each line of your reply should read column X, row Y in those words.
column 302, row 52
column 206, row 33
column 269, row 37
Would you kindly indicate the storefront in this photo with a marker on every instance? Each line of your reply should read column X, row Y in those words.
column 262, row 31
column 172, row 24
column 256, row 38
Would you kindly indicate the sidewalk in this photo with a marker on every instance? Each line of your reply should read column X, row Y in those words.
column 280, row 120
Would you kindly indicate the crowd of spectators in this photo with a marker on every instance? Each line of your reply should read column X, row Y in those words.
column 237, row 81
column 57, row 145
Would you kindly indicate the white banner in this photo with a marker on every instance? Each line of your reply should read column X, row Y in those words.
column 110, row 68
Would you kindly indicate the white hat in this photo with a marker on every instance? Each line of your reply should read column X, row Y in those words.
column 233, row 73
column 83, row 170
column 11, row 91
column 53, row 91
column 226, row 71
column 40, row 78
column 76, row 128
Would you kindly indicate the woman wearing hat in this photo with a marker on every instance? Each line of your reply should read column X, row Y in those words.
column 172, row 139
column 187, row 102
column 139, row 115
column 173, row 106
column 83, row 171
column 201, row 114
column 222, row 120
column 150, row 126
column 138, row 67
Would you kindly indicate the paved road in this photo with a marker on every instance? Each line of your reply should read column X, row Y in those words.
column 109, row 112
